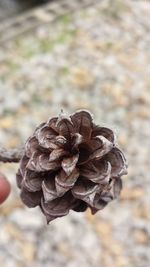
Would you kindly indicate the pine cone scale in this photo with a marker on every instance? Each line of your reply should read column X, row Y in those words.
column 49, row 190
column 117, row 161
column 103, row 131
column 64, row 183
column 31, row 199
column 82, row 188
column 65, row 127
column 97, row 174
column 100, row 146
column 57, row 154
column 32, row 185
column 69, row 164
column 58, row 207
column 82, row 122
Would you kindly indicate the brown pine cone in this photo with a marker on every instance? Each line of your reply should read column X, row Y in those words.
column 70, row 163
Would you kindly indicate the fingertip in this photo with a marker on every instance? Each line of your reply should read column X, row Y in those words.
column 4, row 188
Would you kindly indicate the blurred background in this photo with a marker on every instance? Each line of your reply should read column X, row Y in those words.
column 70, row 55
column 10, row 8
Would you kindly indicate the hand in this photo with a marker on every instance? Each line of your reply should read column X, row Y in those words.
column 4, row 188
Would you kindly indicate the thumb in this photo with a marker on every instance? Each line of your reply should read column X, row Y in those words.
column 4, row 188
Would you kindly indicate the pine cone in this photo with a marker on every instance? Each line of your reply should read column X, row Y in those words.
column 69, row 163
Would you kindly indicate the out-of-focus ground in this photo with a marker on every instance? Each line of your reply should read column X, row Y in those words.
column 97, row 59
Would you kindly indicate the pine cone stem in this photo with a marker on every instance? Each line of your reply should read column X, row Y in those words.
column 10, row 155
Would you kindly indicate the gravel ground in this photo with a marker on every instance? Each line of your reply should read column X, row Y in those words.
column 97, row 59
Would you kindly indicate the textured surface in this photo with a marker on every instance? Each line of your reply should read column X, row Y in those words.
column 96, row 59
